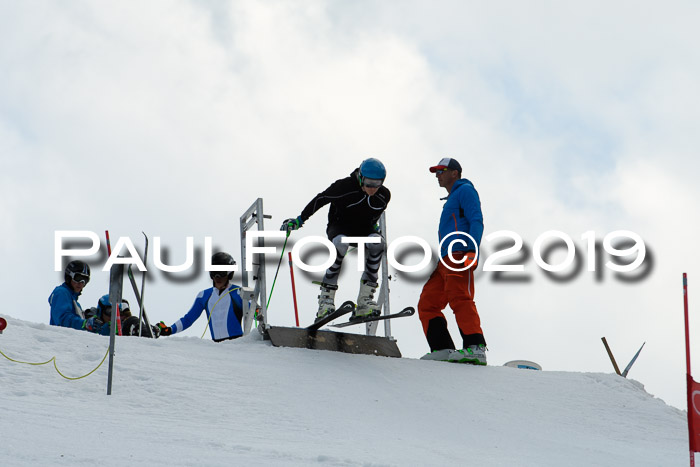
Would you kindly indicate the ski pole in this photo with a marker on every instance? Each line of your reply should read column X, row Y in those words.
column 294, row 291
column 139, row 300
column 119, row 320
column 278, row 269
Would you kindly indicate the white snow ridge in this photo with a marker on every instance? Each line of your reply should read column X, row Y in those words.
column 191, row 402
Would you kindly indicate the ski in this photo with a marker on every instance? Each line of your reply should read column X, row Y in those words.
column 634, row 359
column 408, row 311
column 130, row 273
column 142, row 310
column 344, row 309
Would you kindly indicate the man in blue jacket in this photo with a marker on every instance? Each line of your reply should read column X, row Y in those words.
column 65, row 309
column 452, row 282
column 222, row 304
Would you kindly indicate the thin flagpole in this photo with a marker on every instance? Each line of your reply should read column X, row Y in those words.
column 294, row 291
column 687, row 334
column 689, row 378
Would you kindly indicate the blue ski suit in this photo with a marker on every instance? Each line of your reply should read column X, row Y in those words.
column 224, row 310
column 65, row 309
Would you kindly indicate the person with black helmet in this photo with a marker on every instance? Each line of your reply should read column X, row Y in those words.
column 65, row 309
column 356, row 204
column 222, row 304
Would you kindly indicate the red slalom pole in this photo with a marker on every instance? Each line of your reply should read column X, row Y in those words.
column 119, row 318
column 294, row 292
column 692, row 418
column 687, row 334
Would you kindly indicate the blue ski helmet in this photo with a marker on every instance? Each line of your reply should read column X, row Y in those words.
column 103, row 303
column 372, row 168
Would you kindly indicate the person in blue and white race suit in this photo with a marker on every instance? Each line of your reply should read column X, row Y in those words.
column 221, row 303
column 65, row 309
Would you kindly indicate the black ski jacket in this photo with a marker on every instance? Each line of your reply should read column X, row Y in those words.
column 352, row 212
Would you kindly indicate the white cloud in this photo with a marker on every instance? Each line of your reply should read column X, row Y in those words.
column 172, row 117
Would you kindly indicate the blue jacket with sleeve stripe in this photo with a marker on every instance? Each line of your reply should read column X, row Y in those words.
column 224, row 310
column 65, row 309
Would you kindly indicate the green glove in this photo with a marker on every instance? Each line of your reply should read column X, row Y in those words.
column 292, row 224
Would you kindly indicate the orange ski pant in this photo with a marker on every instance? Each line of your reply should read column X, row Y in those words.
column 455, row 288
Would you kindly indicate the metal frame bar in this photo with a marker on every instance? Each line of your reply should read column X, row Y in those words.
column 254, row 215
column 249, row 306
column 116, row 285
column 383, row 297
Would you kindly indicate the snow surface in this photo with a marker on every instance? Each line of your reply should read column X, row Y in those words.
column 190, row 402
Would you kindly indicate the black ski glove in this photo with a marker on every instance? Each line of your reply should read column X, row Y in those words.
column 164, row 330
column 90, row 312
column 92, row 324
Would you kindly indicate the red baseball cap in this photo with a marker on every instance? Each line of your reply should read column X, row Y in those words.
column 447, row 163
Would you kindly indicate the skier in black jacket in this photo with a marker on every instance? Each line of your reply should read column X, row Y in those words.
column 356, row 202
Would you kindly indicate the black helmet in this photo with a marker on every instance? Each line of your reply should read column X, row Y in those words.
column 78, row 271
column 222, row 259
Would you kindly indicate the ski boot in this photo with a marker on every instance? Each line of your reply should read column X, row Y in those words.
column 366, row 306
column 474, row 354
column 326, row 301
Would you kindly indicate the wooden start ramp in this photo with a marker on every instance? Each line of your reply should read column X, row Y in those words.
column 332, row 340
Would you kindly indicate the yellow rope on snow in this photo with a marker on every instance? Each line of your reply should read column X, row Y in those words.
column 53, row 359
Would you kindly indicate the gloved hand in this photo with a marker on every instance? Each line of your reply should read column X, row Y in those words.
column 469, row 257
column 292, row 224
column 461, row 260
column 90, row 312
column 93, row 324
column 164, row 330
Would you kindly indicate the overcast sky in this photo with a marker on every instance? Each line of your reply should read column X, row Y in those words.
column 173, row 117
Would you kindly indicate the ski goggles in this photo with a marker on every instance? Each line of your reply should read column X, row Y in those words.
column 78, row 277
column 219, row 274
column 372, row 182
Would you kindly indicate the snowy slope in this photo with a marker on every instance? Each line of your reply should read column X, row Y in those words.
column 188, row 401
